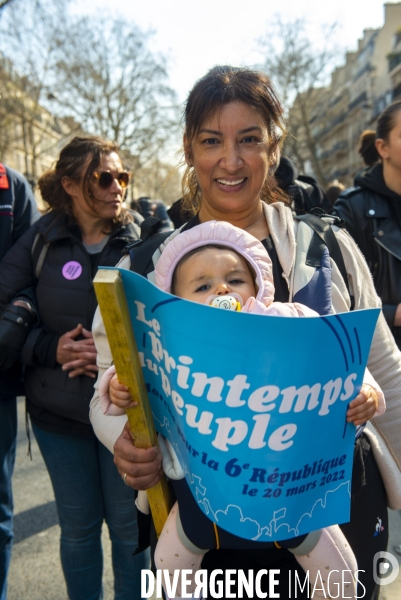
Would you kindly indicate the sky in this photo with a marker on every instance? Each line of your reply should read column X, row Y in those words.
column 195, row 35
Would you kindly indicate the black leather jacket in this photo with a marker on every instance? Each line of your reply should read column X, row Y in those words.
column 372, row 215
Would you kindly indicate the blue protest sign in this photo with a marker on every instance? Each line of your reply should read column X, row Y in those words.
column 255, row 407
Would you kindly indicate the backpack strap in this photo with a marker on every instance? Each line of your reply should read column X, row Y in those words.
column 140, row 252
column 38, row 254
column 325, row 234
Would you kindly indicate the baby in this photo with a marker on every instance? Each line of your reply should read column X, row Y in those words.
column 222, row 266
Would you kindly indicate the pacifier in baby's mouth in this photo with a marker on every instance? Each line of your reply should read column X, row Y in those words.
column 228, row 302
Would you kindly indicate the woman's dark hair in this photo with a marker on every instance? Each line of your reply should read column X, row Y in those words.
column 367, row 147
column 220, row 86
column 386, row 121
column 70, row 164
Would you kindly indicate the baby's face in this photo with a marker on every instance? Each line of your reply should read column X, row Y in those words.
column 214, row 271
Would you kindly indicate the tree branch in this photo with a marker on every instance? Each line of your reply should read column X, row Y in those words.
column 4, row 2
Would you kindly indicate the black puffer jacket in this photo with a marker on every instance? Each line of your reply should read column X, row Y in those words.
column 372, row 215
column 63, row 302
column 18, row 211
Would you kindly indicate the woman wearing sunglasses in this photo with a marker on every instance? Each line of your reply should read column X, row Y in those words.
column 85, row 226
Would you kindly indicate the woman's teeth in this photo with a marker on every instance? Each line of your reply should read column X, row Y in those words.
column 224, row 182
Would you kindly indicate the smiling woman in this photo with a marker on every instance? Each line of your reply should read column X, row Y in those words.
column 231, row 156
column 233, row 129
column 230, row 145
column 85, row 226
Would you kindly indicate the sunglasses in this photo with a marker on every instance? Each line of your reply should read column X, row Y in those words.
column 104, row 179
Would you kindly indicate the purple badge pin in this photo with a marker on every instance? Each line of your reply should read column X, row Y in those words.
column 72, row 270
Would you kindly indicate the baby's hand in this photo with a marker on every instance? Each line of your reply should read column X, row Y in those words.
column 364, row 406
column 119, row 394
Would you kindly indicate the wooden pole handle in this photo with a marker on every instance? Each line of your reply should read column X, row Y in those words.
column 113, row 306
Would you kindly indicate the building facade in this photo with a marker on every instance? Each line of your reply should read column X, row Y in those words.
column 359, row 90
column 31, row 137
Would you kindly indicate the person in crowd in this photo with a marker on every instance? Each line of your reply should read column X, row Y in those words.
column 333, row 190
column 222, row 266
column 85, row 226
column 160, row 212
column 136, row 216
column 134, row 209
column 304, row 191
column 371, row 212
column 233, row 128
column 367, row 147
column 145, row 206
column 18, row 211
column 176, row 214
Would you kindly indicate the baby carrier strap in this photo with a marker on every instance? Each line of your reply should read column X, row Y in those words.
column 40, row 246
column 142, row 250
column 323, row 241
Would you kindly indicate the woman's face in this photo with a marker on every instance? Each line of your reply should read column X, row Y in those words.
column 106, row 202
column 230, row 155
column 390, row 150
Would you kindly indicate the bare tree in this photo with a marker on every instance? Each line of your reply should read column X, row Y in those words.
column 100, row 73
column 299, row 71
column 115, row 86
column 26, row 83
column 158, row 180
column 3, row 3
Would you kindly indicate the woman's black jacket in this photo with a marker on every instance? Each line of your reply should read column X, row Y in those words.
column 62, row 302
column 372, row 215
column 18, row 211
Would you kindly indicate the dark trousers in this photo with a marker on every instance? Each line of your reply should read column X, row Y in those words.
column 8, row 437
column 88, row 490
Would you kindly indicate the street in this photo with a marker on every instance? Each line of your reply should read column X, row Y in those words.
column 35, row 572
